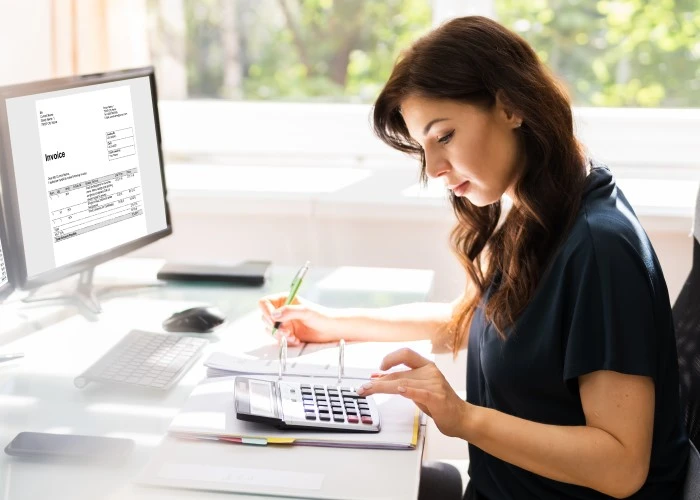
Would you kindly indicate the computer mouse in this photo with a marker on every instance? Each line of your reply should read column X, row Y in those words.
column 195, row 319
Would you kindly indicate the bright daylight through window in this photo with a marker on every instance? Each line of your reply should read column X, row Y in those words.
column 616, row 53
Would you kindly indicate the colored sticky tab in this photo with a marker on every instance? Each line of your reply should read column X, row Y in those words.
column 257, row 441
column 280, row 440
column 416, row 424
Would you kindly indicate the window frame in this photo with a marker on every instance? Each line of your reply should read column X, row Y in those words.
column 638, row 142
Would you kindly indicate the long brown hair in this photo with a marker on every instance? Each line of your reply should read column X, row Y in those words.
column 470, row 59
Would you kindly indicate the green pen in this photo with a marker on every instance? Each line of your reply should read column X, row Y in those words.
column 293, row 289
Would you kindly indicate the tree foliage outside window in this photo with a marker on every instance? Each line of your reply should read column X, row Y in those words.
column 640, row 53
column 300, row 50
column 627, row 53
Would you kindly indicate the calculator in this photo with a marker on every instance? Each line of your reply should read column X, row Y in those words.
column 294, row 405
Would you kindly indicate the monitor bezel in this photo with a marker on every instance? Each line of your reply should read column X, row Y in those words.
column 8, row 287
column 9, row 186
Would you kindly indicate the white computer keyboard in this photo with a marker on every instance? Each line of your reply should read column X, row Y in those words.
column 145, row 359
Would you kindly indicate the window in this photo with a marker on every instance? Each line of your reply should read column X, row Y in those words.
column 619, row 53
column 293, row 50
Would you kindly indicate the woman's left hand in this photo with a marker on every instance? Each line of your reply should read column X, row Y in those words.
column 425, row 385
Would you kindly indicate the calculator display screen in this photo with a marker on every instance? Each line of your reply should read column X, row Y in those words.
column 261, row 398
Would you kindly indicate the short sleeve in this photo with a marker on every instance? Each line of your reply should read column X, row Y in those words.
column 612, row 309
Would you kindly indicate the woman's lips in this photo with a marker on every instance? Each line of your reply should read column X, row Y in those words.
column 461, row 189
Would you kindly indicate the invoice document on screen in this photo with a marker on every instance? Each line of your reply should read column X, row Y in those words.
column 91, row 169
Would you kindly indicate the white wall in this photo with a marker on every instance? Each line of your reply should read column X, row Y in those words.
column 25, row 34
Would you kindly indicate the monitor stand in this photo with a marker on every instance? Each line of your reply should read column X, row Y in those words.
column 84, row 296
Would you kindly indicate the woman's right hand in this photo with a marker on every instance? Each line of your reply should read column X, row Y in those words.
column 302, row 321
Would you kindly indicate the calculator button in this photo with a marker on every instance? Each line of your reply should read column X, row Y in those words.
column 366, row 420
column 324, row 418
column 319, row 388
column 365, row 413
column 310, row 415
column 353, row 419
column 351, row 412
column 305, row 386
column 338, row 418
column 349, row 401
column 337, row 412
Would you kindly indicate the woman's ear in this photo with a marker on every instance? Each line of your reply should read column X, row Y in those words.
column 507, row 111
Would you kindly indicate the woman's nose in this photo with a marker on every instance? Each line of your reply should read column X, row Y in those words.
column 436, row 166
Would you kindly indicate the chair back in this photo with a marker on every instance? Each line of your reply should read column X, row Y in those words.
column 691, row 489
column 686, row 318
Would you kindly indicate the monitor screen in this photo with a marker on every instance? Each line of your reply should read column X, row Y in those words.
column 86, row 174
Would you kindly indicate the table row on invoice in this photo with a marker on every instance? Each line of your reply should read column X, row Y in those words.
column 95, row 203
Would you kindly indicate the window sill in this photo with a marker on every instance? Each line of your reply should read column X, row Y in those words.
column 387, row 193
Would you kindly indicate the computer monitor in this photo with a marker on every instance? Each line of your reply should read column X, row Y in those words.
column 82, row 174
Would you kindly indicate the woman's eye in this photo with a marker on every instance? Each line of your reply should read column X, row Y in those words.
column 446, row 138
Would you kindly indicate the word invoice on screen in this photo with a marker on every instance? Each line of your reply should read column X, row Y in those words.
column 91, row 168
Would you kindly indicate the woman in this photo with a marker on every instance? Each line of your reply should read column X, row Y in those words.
column 572, row 376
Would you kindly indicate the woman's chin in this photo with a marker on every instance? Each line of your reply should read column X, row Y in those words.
column 480, row 201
